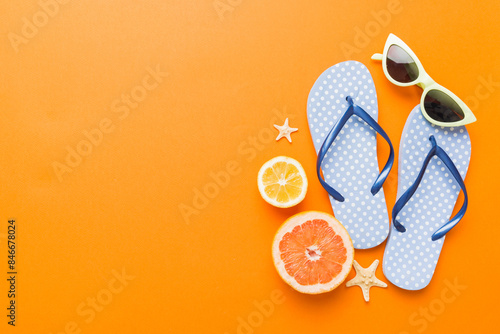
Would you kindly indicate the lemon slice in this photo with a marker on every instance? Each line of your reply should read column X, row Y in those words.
column 282, row 182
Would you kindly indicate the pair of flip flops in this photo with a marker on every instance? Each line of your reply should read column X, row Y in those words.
column 433, row 162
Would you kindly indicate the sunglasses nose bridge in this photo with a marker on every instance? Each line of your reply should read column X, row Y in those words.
column 425, row 81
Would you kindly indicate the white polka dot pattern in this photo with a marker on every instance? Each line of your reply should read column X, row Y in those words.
column 350, row 165
column 411, row 257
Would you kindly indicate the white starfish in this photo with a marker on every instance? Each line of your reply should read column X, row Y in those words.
column 285, row 131
column 365, row 279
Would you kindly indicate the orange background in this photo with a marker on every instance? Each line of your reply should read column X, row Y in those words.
column 229, row 76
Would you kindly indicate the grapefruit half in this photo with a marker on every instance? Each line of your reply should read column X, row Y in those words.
column 313, row 252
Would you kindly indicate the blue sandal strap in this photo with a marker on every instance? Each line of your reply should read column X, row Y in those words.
column 353, row 109
column 377, row 185
column 401, row 202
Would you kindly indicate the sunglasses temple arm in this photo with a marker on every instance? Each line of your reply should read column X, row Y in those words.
column 377, row 56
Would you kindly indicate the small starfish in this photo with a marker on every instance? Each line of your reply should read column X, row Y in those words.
column 365, row 279
column 285, row 131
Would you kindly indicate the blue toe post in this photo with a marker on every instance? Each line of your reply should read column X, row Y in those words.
column 401, row 202
column 353, row 109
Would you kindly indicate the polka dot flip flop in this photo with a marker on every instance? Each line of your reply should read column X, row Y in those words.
column 433, row 161
column 349, row 162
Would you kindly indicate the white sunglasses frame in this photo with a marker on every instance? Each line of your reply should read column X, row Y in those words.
column 424, row 81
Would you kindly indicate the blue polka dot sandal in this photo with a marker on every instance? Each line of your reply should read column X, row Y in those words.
column 433, row 161
column 347, row 150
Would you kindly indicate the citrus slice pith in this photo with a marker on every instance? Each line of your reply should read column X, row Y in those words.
column 282, row 182
column 313, row 252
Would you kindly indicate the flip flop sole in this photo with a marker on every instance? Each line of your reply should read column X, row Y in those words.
column 410, row 258
column 350, row 164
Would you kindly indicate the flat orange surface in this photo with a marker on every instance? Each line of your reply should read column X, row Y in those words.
column 118, row 115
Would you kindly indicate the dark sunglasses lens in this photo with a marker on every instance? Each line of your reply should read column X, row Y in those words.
column 441, row 107
column 400, row 65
